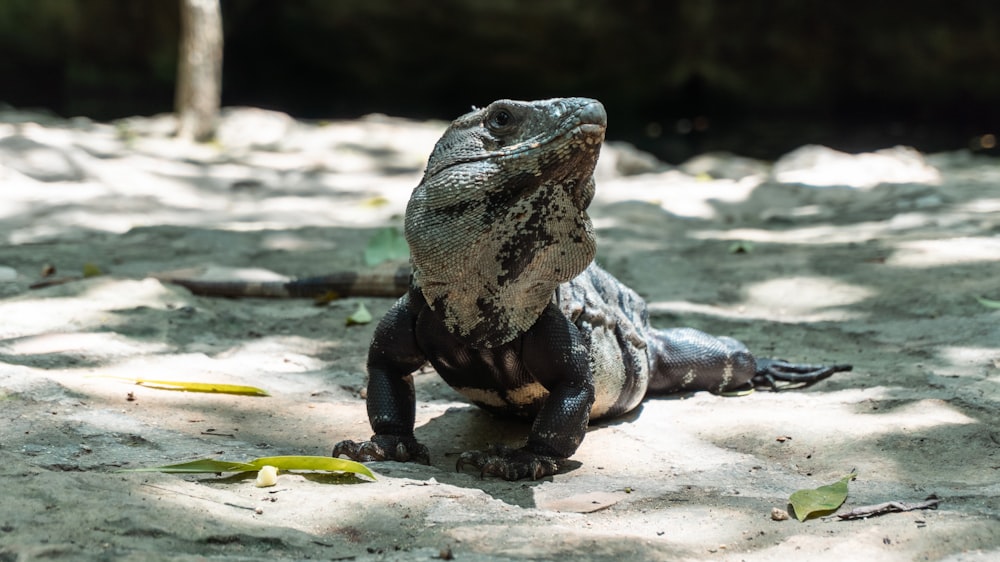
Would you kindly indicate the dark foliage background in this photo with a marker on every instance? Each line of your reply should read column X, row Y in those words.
column 679, row 77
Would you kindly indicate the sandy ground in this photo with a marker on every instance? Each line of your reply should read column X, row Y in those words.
column 884, row 276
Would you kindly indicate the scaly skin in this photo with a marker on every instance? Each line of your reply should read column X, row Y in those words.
column 508, row 306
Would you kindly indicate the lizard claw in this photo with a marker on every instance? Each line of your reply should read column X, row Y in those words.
column 384, row 448
column 797, row 375
column 508, row 463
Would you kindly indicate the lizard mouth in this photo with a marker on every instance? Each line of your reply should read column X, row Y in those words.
column 587, row 124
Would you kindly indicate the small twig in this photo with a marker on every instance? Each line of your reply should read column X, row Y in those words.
column 53, row 282
column 168, row 490
column 887, row 507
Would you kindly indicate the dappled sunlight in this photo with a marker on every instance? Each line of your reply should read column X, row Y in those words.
column 976, row 367
column 886, row 433
column 882, row 277
column 784, row 299
column 972, row 355
column 676, row 192
column 869, row 541
column 676, row 526
column 233, row 367
column 102, row 343
column 823, row 167
column 222, row 273
column 820, row 234
column 840, row 416
column 135, row 181
column 980, row 206
column 295, row 242
column 915, row 414
column 85, row 304
column 814, row 234
column 276, row 354
column 806, row 298
column 179, row 204
column 369, row 144
column 944, row 252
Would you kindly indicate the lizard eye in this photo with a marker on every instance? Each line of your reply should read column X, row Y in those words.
column 499, row 120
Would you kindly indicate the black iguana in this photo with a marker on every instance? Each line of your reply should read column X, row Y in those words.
column 506, row 303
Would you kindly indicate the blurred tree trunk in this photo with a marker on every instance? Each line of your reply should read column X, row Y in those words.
column 199, row 69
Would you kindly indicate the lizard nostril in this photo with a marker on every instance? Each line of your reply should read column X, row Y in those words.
column 594, row 114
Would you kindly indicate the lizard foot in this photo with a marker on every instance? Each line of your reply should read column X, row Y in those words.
column 509, row 463
column 384, row 448
column 797, row 375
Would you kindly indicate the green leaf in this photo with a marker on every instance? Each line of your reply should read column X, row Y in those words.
column 821, row 501
column 190, row 386
column 387, row 244
column 91, row 270
column 199, row 466
column 292, row 462
column 988, row 303
column 360, row 316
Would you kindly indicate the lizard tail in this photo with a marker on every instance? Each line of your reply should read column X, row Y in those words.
column 341, row 284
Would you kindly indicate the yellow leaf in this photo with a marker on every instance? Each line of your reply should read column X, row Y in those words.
column 291, row 462
column 308, row 462
column 190, row 386
column 326, row 298
column 375, row 202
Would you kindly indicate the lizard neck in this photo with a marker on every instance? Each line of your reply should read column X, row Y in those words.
column 491, row 284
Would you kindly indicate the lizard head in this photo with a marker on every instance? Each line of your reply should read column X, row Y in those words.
column 508, row 130
column 499, row 219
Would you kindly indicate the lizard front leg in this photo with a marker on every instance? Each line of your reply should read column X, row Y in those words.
column 553, row 350
column 392, row 358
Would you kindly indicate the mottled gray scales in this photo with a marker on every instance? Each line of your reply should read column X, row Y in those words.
column 613, row 319
column 507, row 305
column 488, row 254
